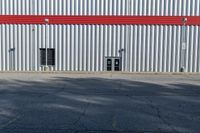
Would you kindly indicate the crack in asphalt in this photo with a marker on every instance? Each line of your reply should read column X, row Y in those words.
column 85, row 106
column 61, row 89
column 10, row 122
column 19, row 116
column 158, row 114
column 82, row 115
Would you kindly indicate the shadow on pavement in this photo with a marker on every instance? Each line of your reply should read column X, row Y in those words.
column 95, row 105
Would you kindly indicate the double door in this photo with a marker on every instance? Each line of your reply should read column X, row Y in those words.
column 113, row 64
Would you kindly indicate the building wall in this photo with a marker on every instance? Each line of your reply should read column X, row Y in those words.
column 101, row 7
column 83, row 47
column 148, row 48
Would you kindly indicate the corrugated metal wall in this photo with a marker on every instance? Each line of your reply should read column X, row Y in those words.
column 83, row 47
column 100, row 7
column 148, row 48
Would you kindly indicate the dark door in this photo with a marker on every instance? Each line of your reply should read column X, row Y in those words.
column 113, row 64
column 117, row 65
column 109, row 64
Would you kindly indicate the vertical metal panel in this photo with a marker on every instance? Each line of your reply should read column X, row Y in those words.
column 100, row 7
column 83, row 47
column 148, row 48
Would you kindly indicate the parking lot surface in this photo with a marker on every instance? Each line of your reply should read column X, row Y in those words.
column 99, row 103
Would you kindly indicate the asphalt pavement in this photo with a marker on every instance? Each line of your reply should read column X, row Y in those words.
column 99, row 103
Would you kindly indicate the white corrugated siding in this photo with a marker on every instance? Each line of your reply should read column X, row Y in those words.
column 100, row 7
column 83, row 47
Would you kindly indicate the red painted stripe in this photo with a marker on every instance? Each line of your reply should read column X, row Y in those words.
column 118, row 20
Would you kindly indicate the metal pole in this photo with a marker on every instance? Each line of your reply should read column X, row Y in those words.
column 128, row 38
column 32, row 48
column 46, row 42
column 183, row 47
column 46, row 26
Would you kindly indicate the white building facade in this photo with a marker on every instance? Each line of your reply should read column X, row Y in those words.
column 100, row 47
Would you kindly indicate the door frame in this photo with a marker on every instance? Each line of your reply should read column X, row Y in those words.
column 113, row 63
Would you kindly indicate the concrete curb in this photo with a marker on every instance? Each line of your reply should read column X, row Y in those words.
column 98, row 73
